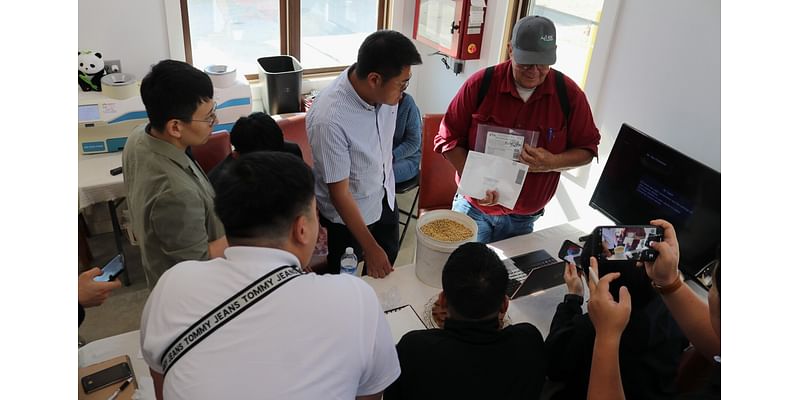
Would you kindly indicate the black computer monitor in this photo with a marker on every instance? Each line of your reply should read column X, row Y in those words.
column 645, row 179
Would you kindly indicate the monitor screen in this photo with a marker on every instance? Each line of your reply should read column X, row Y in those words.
column 645, row 179
column 89, row 112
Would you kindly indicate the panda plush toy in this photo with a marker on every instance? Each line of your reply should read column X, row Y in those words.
column 91, row 69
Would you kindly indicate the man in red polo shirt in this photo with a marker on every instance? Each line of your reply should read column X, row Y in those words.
column 522, row 93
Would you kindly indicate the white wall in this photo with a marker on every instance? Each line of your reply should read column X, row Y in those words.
column 134, row 32
column 434, row 86
column 663, row 76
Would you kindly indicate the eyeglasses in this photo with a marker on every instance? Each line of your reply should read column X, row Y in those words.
column 212, row 119
column 540, row 67
column 404, row 84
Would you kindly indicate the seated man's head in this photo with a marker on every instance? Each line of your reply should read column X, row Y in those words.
column 266, row 199
column 179, row 102
column 384, row 64
column 474, row 283
column 256, row 132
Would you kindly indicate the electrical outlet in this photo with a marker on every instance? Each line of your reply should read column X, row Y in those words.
column 113, row 66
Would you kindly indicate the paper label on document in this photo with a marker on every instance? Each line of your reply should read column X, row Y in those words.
column 484, row 172
column 504, row 145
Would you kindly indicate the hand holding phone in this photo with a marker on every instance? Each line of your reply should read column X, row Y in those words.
column 92, row 293
column 571, row 252
column 112, row 269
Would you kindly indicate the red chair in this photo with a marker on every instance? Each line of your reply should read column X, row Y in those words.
column 210, row 154
column 436, row 176
column 294, row 130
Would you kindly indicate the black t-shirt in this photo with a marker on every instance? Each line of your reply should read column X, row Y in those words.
column 710, row 391
column 650, row 350
column 470, row 360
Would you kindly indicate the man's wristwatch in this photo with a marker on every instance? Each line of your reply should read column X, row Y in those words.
column 667, row 289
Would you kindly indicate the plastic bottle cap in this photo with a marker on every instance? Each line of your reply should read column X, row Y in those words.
column 348, row 250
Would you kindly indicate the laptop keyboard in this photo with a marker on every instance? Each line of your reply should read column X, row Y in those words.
column 518, row 271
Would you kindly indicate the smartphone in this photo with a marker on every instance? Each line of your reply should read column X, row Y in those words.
column 627, row 242
column 112, row 269
column 571, row 252
column 106, row 377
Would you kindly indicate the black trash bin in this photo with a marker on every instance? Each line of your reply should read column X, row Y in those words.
column 282, row 78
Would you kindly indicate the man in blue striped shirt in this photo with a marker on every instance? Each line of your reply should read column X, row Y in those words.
column 350, row 129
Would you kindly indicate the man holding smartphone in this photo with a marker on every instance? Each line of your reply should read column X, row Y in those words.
column 651, row 345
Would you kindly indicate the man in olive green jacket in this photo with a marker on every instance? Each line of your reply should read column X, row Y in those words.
column 169, row 196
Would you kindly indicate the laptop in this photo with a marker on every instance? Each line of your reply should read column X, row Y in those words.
column 532, row 272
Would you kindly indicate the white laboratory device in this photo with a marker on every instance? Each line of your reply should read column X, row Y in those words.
column 104, row 122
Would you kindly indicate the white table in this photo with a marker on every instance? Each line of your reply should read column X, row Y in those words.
column 403, row 287
column 95, row 183
column 119, row 345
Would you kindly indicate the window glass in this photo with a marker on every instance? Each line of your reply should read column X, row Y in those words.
column 576, row 30
column 331, row 31
column 234, row 32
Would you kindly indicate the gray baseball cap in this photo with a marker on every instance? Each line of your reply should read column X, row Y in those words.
column 534, row 41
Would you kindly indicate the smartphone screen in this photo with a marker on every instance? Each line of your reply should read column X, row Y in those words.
column 111, row 269
column 108, row 376
column 625, row 242
column 570, row 252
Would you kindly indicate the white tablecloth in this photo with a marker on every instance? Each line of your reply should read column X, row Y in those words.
column 95, row 183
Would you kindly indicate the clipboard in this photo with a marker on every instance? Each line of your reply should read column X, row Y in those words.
column 105, row 392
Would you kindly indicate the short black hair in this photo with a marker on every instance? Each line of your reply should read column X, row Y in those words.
column 474, row 281
column 259, row 195
column 386, row 52
column 173, row 90
column 256, row 132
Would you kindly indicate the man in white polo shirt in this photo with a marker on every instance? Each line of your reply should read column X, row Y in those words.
column 350, row 129
column 251, row 325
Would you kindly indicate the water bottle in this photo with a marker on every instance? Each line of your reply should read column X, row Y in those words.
column 349, row 262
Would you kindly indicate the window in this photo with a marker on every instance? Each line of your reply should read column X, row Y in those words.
column 576, row 29
column 324, row 35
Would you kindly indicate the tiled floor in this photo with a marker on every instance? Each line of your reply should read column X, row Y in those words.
column 123, row 310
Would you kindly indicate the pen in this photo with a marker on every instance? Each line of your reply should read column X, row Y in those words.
column 121, row 388
column 549, row 135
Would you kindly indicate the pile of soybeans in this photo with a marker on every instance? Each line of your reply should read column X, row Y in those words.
column 446, row 230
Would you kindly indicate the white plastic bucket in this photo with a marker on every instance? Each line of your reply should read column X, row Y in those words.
column 119, row 85
column 222, row 76
column 431, row 253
